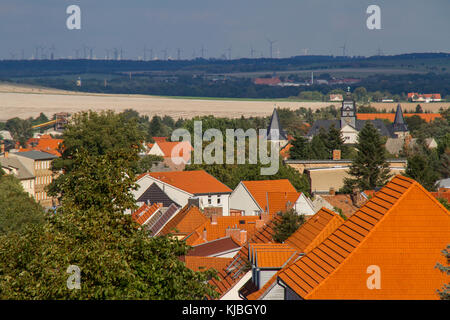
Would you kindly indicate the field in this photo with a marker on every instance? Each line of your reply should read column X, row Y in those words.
column 27, row 101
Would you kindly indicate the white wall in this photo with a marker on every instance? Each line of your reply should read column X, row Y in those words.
column 274, row 293
column 349, row 134
column 233, row 293
column 304, row 206
column 240, row 199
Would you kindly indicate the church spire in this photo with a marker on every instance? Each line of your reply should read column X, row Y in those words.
column 399, row 124
column 275, row 131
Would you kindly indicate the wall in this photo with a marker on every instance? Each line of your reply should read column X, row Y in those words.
column 240, row 199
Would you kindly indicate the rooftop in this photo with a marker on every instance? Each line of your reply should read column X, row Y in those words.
column 259, row 189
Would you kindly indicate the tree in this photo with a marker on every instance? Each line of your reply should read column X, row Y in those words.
column 17, row 208
column 117, row 259
column 20, row 129
column 288, row 223
column 369, row 169
column 319, row 148
column 360, row 94
column 146, row 163
column 444, row 293
column 419, row 169
column 300, row 148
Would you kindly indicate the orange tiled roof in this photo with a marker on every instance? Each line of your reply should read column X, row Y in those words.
column 218, row 230
column 204, row 263
column 186, row 221
column 260, row 189
column 284, row 153
column 441, row 195
column 194, row 182
column 270, row 255
column 183, row 151
column 45, row 143
column 281, row 201
column 144, row 213
column 314, row 230
column 234, row 271
column 401, row 230
column 428, row 117
column 308, row 236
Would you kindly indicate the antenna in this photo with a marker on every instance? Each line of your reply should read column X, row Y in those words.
column 271, row 42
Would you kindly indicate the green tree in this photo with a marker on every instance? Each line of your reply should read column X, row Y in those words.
column 117, row 259
column 419, row 169
column 146, row 163
column 360, row 94
column 319, row 148
column 17, row 208
column 369, row 169
column 444, row 293
column 20, row 129
column 287, row 224
column 300, row 148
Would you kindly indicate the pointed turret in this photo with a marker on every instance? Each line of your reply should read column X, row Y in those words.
column 399, row 124
column 275, row 132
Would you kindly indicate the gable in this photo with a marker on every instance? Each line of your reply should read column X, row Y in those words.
column 401, row 231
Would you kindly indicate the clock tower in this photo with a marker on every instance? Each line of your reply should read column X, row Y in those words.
column 348, row 111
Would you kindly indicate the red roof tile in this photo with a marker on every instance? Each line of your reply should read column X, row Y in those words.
column 185, row 222
column 145, row 212
column 259, row 189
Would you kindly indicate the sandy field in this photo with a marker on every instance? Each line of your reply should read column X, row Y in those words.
column 27, row 101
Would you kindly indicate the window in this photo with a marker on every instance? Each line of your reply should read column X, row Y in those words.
column 219, row 199
column 209, row 199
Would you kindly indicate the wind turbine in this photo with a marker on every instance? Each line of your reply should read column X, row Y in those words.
column 343, row 49
column 252, row 52
column 271, row 42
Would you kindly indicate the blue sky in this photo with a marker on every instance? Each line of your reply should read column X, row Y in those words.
column 320, row 26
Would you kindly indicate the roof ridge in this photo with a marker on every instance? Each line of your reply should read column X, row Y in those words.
column 376, row 226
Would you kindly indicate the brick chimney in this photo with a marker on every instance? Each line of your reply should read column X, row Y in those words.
column 204, row 234
column 332, row 192
column 357, row 198
column 336, row 154
column 214, row 219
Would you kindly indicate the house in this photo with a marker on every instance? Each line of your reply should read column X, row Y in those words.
column 204, row 190
column 225, row 247
column 239, row 228
column 427, row 97
column 13, row 166
column 44, row 143
column 184, row 222
column 154, row 217
column 154, row 194
column 428, row 117
column 273, row 260
column 252, row 197
column 267, row 81
column 336, row 97
column 387, row 250
column 236, row 273
column 38, row 163
column 443, row 183
column 176, row 154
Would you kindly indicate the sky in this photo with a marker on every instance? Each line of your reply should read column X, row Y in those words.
column 168, row 28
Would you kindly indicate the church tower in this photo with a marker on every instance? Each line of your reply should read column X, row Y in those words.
column 399, row 126
column 348, row 111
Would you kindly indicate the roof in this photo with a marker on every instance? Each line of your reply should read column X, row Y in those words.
column 267, row 81
column 343, row 202
column 314, row 230
column 326, row 124
column 193, row 182
column 204, row 263
column 399, row 122
column 237, row 268
column 307, row 237
column 183, row 150
column 46, row 144
column 259, row 189
column 185, row 221
column 270, row 255
column 144, row 213
column 36, row 155
column 214, row 247
column 154, row 194
column 401, row 230
column 442, row 194
column 281, row 201
column 22, row 172
column 219, row 229
column 428, row 117
column 443, row 183
column 275, row 131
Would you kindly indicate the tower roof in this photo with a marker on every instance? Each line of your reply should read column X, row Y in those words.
column 399, row 122
column 275, row 131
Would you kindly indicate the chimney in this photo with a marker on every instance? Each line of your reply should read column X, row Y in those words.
column 356, row 198
column 243, row 236
column 204, row 234
column 336, row 154
column 214, row 219
column 332, row 192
